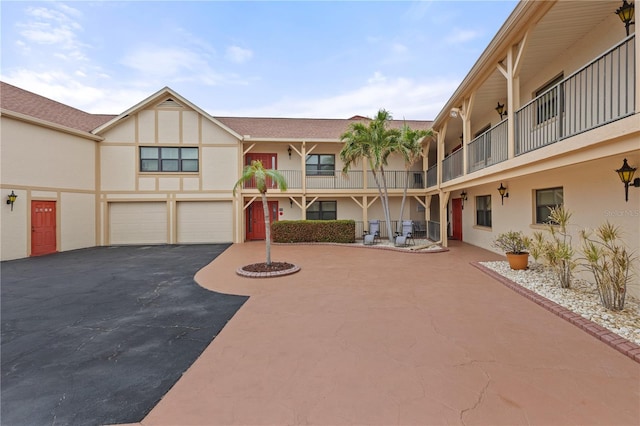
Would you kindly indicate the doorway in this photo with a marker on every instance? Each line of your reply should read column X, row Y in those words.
column 43, row 227
column 255, row 219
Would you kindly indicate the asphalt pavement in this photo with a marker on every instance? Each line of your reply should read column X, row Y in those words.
column 98, row 336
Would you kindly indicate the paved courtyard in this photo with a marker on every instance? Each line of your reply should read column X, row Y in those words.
column 362, row 336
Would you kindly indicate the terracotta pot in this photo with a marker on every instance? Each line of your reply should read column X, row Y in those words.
column 518, row 261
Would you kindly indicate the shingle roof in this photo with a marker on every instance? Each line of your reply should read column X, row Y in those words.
column 21, row 101
column 302, row 128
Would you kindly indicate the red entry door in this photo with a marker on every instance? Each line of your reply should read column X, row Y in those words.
column 268, row 161
column 43, row 227
column 456, row 219
column 255, row 219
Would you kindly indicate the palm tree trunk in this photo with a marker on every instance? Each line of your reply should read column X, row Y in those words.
column 385, row 205
column 267, row 227
column 404, row 198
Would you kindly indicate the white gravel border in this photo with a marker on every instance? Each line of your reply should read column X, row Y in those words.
column 582, row 298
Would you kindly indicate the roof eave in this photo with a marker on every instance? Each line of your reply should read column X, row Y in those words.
column 48, row 124
column 496, row 50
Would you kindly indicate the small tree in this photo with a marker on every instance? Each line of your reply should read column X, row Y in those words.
column 373, row 143
column 410, row 147
column 262, row 177
column 556, row 251
column 609, row 260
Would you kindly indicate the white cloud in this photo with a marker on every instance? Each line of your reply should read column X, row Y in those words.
column 238, row 54
column 405, row 98
column 461, row 36
column 64, row 88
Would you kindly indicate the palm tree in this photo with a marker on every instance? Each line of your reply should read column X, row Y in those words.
column 374, row 143
column 410, row 147
column 262, row 177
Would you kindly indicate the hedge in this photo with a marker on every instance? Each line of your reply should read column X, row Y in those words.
column 304, row 231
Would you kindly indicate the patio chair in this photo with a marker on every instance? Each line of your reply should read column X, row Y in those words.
column 406, row 237
column 372, row 236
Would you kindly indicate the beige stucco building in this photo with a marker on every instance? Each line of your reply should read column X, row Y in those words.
column 163, row 171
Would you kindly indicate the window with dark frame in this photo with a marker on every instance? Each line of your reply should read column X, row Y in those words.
column 320, row 164
column 323, row 210
column 547, row 106
column 168, row 159
column 545, row 200
column 483, row 210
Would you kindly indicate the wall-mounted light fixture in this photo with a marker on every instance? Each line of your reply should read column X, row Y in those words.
column 500, row 110
column 11, row 198
column 454, row 112
column 291, row 202
column 503, row 192
column 463, row 197
column 625, row 13
column 626, row 173
column 289, row 151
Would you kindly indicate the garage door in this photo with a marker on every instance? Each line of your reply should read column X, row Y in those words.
column 138, row 223
column 205, row 222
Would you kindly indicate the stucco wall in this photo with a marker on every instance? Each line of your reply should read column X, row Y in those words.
column 592, row 192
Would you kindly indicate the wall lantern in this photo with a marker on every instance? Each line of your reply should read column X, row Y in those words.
column 626, row 176
column 503, row 192
column 463, row 197
column 626, row 12
column 289, row 151
column 500, row 110
column 11, row 198
column 291, row 202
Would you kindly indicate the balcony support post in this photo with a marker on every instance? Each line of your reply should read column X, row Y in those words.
column 444, row 220
column 636, row 76
column 440, row 152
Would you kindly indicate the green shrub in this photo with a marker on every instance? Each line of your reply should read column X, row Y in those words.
column 555, row 248
column 317, row 231
column 610, row 261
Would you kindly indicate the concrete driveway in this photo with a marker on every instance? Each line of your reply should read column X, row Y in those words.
column 98, row 336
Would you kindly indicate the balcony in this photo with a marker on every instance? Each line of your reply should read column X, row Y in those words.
column 452, row 165
column 489, row 148
column 352, row 180
column 599, row 93
column 432, row 176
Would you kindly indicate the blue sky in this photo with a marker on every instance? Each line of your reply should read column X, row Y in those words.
column 325, row 59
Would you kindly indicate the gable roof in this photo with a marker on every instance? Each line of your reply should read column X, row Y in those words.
column 29, row 104
column 303, row 128
column 164, row 92
column 38, row 107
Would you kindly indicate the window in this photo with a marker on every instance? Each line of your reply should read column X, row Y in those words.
column 323, row 210
column 547, row 104
column 320, row 164
column 168, row 159
column 483, row 210
column 545, row 200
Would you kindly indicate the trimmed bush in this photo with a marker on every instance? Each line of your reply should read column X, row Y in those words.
column 316, row 231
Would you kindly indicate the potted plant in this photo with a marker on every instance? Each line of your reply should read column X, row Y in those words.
column 514, row 244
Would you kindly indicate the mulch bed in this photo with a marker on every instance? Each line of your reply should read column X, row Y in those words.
column 263, row 267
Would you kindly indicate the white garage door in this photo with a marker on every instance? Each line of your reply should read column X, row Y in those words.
column 205, row 222
column 138, row 223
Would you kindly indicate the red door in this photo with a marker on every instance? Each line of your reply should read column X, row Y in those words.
column 43, row 227
column 255, row 219
column 268, row 161
column 456, row 219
